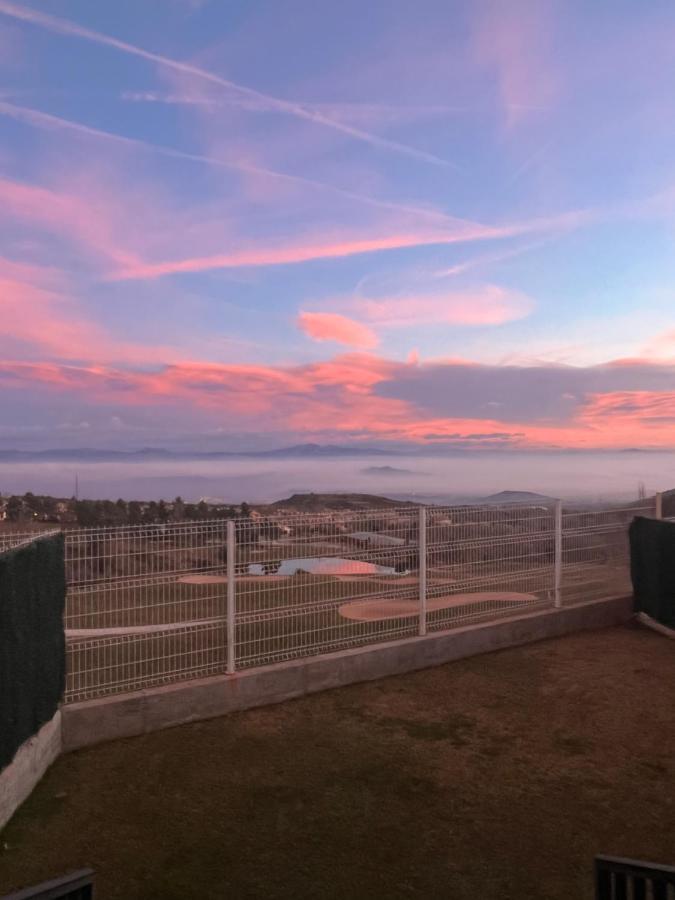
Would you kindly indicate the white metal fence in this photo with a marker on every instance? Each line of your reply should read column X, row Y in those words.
column 149, row 605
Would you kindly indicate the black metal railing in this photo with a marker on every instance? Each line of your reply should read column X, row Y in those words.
column 628, row 879
column 77, row 886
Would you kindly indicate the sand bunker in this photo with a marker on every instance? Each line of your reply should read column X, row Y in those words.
column 203, row 579
column 375, row 610
column 357, row 611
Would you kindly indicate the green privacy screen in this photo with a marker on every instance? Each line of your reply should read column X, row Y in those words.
column 652, row 549
column 32, row 643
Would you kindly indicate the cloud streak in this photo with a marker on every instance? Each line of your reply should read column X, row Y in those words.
column 261, row 101
column 39, row 119
column 60, row 212
column 486, row 305
column 463, row 232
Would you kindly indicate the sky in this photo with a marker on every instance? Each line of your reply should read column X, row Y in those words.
column 243, row 224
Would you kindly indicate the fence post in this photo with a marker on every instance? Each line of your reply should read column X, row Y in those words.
column 423, row 570
column 231, row 599
column 557, row 563
column 659, row 506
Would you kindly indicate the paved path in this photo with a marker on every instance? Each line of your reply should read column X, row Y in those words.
column 74, row 634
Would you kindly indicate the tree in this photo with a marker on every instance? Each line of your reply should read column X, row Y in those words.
column 151, row 513
column 245, row 510
column 87, row 513
column 14, row 509
column 135, row 513
column 178, row 509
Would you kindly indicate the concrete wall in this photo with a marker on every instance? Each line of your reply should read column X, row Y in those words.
column 145, row 711
column 30, row 763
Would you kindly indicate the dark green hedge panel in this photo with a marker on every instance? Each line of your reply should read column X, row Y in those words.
column 32, row 642
column 652, row 551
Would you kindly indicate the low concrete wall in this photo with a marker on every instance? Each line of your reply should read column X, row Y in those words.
column 145, row 711
column 30, row 763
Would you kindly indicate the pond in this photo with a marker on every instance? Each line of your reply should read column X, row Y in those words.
column 322, row 565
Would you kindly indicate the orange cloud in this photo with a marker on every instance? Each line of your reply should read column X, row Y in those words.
column 334, row 327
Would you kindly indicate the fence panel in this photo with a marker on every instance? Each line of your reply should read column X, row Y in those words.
column 146, row 605
column 596, row 552
column 309, row 584
column 149, row 605
column 487, row 561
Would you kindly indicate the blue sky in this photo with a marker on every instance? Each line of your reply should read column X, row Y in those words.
column 260, row 222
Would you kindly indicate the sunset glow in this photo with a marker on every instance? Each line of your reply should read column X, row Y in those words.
column 453, row 228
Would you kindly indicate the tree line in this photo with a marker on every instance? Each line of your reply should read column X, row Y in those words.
column 30, row 507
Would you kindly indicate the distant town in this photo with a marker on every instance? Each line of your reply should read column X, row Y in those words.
column 42, row 510
column 35, row 509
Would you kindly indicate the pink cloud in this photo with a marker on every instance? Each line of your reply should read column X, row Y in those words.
column 343, row 396
column 663, row 345
column 241, row 163
column 296, row 253
column 340, row 329
column 630, row 410
column 256, row 100
column 487, row 305
column 40, row 314
column 351, row 245
column 64, row 212
column 514, row 42
column 100, row 220
column 32, row 312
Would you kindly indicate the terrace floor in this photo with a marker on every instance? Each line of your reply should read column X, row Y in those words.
column 500, row 776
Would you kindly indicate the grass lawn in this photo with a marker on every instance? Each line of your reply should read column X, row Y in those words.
column 276, row 620
column 495, row 777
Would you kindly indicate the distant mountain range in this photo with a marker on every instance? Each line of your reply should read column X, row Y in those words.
column 299, row 451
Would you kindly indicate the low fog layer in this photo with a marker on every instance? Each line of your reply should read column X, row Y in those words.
column 589, row 476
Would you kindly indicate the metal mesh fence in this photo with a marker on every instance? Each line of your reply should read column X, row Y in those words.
column 154, row 604
column 485, row 561
column 596, row 552
column 314, row 583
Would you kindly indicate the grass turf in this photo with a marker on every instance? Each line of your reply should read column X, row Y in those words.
column 496, row 777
